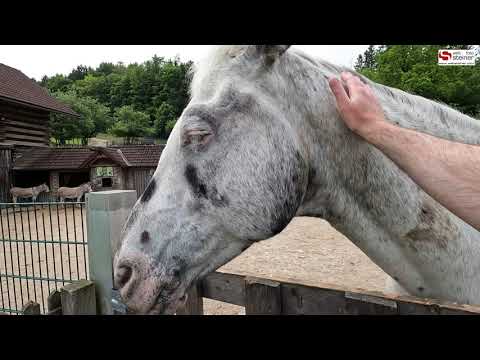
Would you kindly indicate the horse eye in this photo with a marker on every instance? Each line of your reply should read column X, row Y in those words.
column 197, row 137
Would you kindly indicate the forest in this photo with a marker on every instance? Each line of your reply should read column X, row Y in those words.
column 145, row 100
column 127, row 101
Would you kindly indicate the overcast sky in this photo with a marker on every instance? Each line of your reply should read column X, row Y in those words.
column 39, row 60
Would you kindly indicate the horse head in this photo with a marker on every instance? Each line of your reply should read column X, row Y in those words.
column 233, row 172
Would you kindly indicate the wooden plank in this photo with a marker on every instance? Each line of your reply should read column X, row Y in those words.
column 194, row 302
column 5, row 173
column 15, row 107
column 363, row 304
column 14, row 137
column 307, row 300
column 54, row 303
column 408, row 305
column 31, row 308
column 229, row 288
column 35, row 119
column 262, row 297
column 25, row 131
column 26, row 143
column 25, row 124
column 78, row 298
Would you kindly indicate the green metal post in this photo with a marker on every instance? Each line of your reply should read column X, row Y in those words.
column 106, row 213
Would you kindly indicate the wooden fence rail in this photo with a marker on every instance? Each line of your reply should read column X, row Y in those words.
column 265, row 297
column 262, row 296
column 76, row 298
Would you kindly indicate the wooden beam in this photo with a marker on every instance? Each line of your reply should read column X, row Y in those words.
column 229, row 288
column 26, row 119
column 78, row 298
column 10, row 135
column 11, row 107
column 328, row 299
column 194, row 303
column 25, row 125
column 42, row 133
column 262, row 297
column 25, row 143
column 28, row 105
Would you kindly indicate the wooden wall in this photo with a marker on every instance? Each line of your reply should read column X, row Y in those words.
column 5, row 173
column 21, row 125
column 137, row 179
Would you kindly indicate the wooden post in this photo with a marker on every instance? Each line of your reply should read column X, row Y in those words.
column 54, row 303
column 78, row 298
column 194, row 303
column 31, row 308
column 262, row 297
column 106, row 213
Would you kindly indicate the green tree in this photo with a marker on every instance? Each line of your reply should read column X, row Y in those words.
column 158, row 88
column 93, row 118
column 79, row 72
column 164, row 114
column 130, row 123
column 56, row 83
column 415, row 69
column 368, row 59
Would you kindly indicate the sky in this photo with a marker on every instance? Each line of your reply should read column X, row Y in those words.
column 39, row 60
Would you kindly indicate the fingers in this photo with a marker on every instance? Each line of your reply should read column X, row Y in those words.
column 339, row 92
column 352, row 82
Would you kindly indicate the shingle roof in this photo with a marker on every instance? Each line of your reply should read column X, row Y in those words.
column 82, row 157
column 141, row 155
column 15, row 85
column 51, row 158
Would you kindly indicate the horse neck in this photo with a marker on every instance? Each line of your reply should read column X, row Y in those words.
column 417, row 113
column 365, row 196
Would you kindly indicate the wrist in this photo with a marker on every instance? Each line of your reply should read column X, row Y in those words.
column 376, row 131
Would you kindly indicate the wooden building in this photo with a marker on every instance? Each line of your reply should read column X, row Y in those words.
column 25, row 108
column 127, row 167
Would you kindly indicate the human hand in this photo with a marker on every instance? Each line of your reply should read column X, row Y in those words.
column 357, row 105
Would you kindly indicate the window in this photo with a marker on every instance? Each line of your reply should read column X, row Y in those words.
column 107, row 182
column 104, row 171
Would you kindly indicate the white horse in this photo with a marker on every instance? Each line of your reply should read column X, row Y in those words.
column 73, row 193
column 261, row 142
column 32, row 192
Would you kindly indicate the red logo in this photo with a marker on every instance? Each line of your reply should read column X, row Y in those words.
column 445, row 55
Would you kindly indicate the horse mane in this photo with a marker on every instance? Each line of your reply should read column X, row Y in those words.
column 403, row 108
column 410, row 110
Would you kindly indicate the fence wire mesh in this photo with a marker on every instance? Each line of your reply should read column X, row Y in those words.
column 43, row 246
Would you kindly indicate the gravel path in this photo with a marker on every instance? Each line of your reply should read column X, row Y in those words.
column 310, row 251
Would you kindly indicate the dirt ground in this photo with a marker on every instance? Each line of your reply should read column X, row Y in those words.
column 309, row 251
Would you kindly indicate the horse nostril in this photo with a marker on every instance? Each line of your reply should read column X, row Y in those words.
column 122, row 276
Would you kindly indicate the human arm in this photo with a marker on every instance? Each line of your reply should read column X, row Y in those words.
column 446, row 170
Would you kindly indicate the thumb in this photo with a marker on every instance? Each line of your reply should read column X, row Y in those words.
column 339, row 92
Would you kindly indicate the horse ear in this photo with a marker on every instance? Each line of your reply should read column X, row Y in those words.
column 271, row 52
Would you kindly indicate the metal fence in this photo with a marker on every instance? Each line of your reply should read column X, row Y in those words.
column 43, row 246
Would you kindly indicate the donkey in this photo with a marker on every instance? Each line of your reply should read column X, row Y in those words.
column 33, row 192
column 73, row 193
column 261, row 142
